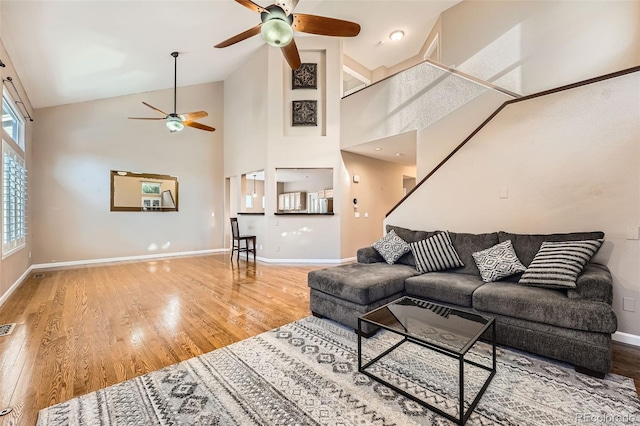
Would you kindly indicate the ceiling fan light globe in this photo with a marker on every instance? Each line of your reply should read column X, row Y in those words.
column 174, row 124
column 276, row 33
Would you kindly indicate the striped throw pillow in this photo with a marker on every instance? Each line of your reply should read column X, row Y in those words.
column 435, row 254
column 558, row 264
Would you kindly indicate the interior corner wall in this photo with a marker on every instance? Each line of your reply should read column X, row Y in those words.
column 379, row 189
column 568, row 162
column 531, row 46
column 14, row 266
column 76, row 146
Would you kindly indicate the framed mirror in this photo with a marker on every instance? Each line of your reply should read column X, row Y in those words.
column 143, row 192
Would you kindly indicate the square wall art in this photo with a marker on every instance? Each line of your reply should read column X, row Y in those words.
column 305, row 77
column 304, row 113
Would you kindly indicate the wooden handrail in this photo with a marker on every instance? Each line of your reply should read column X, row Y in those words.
column 501, row 107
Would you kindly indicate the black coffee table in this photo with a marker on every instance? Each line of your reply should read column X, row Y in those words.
column 440, row 328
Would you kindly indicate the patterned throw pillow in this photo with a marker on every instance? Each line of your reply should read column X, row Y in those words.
column 498, row 262
column 391, row 247
column 557, row 264
column 435, row 254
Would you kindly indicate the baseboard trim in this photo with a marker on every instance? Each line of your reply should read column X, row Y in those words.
column 15, row 285
column 630, row 339
column 125, row 258
column 304, row 261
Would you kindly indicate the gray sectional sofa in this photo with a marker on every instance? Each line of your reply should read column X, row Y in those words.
column 572, row 325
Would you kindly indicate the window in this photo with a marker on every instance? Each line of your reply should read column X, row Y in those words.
column 151, row 188
column 14, row 219
column 12, row 121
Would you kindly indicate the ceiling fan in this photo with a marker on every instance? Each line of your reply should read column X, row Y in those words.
column 278, row 24
column 174, row 121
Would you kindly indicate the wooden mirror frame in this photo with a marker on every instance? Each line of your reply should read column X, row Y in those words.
column 141, row 176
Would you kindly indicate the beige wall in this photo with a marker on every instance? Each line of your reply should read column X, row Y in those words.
column 569, row 162
column 247, row 189
column 530, row 46
column 379, row 189
column 15, row 265
column 75, row 147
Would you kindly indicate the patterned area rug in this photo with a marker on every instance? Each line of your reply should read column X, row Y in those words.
column 305, row 373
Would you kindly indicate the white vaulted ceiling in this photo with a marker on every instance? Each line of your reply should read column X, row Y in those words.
column 74, row 51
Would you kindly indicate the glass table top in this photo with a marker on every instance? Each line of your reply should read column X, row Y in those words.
column 428, row 322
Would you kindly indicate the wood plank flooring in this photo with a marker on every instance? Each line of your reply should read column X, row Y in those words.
column 86, row 328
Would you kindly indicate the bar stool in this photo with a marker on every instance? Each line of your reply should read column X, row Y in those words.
column 237, row 239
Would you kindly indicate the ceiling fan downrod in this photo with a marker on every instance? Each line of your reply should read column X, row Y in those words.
column 175, row 81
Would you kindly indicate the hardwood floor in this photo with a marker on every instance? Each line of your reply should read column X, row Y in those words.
column 83, row 329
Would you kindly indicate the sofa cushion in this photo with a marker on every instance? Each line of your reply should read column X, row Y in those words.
column 410, row 236
column 498, row 262
column 444, row 287
column 527, row 245
column 594, row 283
column 467, row 244
column 557, row 264
column 435, row 254
column 361, row 283
column 369, row 255
column 544, row 305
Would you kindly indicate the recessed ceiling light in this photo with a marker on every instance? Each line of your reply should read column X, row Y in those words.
column 377, row 148
column 396, row 35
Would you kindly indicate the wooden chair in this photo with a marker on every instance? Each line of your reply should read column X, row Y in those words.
column 237, row 240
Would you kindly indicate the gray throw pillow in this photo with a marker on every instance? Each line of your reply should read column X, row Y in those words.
column 497, row 262
column 558, row 264
column 435, row 254
column 391, row 247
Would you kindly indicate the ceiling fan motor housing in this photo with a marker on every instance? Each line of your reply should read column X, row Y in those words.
column 276, row 26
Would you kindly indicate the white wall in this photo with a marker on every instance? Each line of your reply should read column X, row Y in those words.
column 75, row 147
column 570, row 162
column 436, row 142
column 530, row 46
column 246, row 105
column 259, row 136
column 411, row 100
column 305, row 237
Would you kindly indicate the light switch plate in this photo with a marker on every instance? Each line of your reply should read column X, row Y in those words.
column 357, row 214
column 628, row 304
column 633, row 233
column 504, row 192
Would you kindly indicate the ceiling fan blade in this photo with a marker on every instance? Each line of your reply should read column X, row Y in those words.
column 239, row 37
column 251, row 5
column 144, row 118
column 190, row 116
column 321, row 25
column 290, row 52
column 197, row 125
column 155, row 109
column 287, row 5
